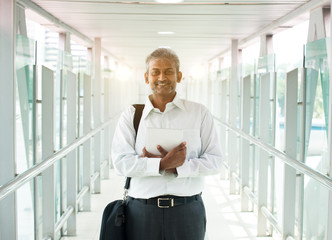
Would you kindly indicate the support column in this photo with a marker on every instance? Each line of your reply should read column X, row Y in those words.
column 245, row 113
column 264, row 121
column 107, row 116
column 266, row 45
column 329, row 220
column 48, row 184
column 87, row 143
column 97, row 112
column 71, row 157
column 232, row 138
column 289, row 183
column 223, row 130
column 7, row 112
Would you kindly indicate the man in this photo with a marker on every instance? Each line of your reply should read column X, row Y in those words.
column 165, row 192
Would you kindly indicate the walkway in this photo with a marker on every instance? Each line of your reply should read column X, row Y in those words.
column 225, row 220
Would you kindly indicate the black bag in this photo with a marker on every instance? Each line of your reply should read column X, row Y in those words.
column 113, row 221
column 114, row 215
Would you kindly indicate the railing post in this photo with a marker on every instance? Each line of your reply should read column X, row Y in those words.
column 223, row 132
column 107, row 130
column 87, row 144
column 48, row 194
column 232, row 138
column 264, row 120
column 7, row 113
column 71, row 157
column 329, row 219
column 288, row 216
column 96, row 111
column 245, row 112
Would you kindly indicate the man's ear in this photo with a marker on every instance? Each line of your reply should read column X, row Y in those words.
column 146, row 78
column 179, row 77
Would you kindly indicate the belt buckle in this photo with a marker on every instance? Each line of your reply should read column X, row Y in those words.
column 166, row 199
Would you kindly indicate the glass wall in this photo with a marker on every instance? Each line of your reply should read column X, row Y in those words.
column 25, row 138
column 315, row 198
column 312, row 62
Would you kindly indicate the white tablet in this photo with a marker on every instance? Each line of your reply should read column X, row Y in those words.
column 166, row 138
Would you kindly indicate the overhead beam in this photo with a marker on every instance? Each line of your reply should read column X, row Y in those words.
column 36, row 8
column 305, row 8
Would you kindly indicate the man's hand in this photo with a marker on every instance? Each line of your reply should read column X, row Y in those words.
column 172, row 159
column 150, row 155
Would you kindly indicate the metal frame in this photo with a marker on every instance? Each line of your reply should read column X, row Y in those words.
column 288, row 214
column 7, row 112
column 97, row 113
column 245, row 125
column 87, row 144
column 48, row 184
column 329, row 220
column 264, row 120
column 232, row 138
column 71, row 157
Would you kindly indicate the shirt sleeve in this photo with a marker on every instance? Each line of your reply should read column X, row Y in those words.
column 125, row 160
column 210, row 159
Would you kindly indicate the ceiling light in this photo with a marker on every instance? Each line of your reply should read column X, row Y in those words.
column 166, row 33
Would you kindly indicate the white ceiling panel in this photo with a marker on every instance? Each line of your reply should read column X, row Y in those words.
column 201, row 29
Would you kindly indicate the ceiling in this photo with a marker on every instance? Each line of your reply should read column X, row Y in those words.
column 202, row 29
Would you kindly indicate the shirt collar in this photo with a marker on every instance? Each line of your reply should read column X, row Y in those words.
column 149, row 107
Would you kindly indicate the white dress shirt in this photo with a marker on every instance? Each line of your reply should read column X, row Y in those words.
column 203, row 149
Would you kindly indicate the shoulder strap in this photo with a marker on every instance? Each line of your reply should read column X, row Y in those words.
column 138, row 114
column 137, row 118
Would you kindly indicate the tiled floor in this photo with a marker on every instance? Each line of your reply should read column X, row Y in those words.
column 225, row 220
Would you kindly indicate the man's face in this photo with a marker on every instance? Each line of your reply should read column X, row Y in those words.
column 162, row 76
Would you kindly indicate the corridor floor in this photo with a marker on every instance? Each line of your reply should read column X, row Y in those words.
column 225, row 221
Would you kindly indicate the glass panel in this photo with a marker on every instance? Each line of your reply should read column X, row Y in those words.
column 315, row 205
column 25, row 212
column 25, row 60
column 317, row 85
column 265, row 65
column 316, row 120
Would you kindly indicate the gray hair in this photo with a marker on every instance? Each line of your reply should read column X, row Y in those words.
column 163, row 53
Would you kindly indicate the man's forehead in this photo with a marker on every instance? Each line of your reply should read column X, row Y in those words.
column 161, row 63
column 161, row 68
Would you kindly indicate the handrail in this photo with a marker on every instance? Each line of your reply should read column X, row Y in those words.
column 269, row 216
column 250, row 194
column 64, row 218
column 81, row 194
column 301, row 167
column 36, row 169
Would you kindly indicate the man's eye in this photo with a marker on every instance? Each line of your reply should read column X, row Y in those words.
column 154, row 73
column 169, row 72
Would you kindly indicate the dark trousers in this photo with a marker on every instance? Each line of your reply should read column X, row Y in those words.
column 148, row 222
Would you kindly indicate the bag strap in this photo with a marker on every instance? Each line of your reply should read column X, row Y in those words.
column 137, row 118
column 138, row 114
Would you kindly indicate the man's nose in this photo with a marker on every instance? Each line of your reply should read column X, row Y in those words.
column 162, row 76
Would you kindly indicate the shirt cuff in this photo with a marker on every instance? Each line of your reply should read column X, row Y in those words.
column 152, row 166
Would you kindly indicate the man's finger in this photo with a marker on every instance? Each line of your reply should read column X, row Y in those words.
column 144, row 152
column 162, row 150
column 181, row 146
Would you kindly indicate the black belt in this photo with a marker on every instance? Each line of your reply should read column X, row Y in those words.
column 168, row 201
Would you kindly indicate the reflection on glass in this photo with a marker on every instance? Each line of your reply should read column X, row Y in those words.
column 25, row 149
column 315, row 205
column 316, row 125
column 317, row 98
column 25, row 59
column 25, row 212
